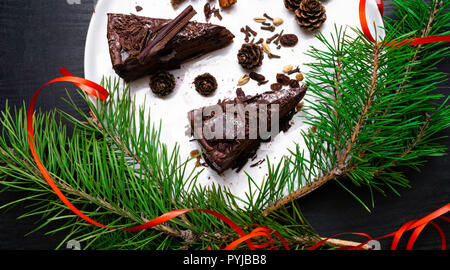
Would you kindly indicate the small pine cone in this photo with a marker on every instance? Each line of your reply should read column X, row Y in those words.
column 162, row 83
column 311, row 14
column 292, row 5
column 205, row 84
column 250, row 56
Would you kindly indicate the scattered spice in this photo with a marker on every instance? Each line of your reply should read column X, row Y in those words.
column 296, row 70
column 243, row 80
column 289, row 40
column 227, row 3
column 257, row 77
column 299, row 77
column 269, row 40
column 247, row 34
column 259, row 19
column 266, row 48
column 268, row 28
column 254, row 33
column 139, row 8
column 268, row 17
column 276, row 86
column 260, row 41
column 266, row 24
column 283, row 79
column 277, row 21
column 205, row 84
column 278, row 39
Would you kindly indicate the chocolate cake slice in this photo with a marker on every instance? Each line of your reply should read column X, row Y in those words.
column 233, row 149
column 128, row 36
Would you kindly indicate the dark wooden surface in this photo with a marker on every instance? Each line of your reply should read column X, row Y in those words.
column 40, row 36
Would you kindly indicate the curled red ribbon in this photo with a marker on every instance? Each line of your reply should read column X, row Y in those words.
column 418, row 225
column 410, row 42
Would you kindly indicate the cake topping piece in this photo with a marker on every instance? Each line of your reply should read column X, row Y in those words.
column 165, row 34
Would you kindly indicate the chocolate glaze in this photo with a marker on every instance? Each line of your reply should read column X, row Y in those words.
column 222, row 154
column 128, row 34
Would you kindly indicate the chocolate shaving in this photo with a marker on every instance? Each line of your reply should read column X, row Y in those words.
column 258, row 163
column 165, row 34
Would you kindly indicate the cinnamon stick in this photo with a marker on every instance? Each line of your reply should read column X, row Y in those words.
column 165, row 34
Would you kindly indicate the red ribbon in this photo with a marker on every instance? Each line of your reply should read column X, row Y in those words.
column 418, row 225
column 96, row 90
column 410, row 42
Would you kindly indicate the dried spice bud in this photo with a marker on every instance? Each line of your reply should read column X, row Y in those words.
column 162, row 83
column 292, row 5
column 283, row 79
column 299, row 77
column 294, row 84
column 289, row 40
column 227, row 3
column 205, row 84
column 250, row 56
column 257, row 77
column 276, row 86
column 310, row 15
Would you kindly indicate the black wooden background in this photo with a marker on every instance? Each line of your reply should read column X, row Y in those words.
column 40, row 36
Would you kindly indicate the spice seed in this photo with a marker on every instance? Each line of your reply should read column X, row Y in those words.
column 243, row 80
column 259, row 19
column 277, row 21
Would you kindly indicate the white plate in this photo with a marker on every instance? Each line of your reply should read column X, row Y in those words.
column 222, row 64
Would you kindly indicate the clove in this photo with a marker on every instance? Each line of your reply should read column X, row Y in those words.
column 268, row 28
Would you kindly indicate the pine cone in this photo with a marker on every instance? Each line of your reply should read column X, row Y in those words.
column 311, row 14
column 162, row 83
column 250, row 56
column 292, row 5
column 205, row 84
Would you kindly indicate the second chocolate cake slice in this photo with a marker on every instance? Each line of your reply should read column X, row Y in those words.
column 128, row 36
column 232, row 149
